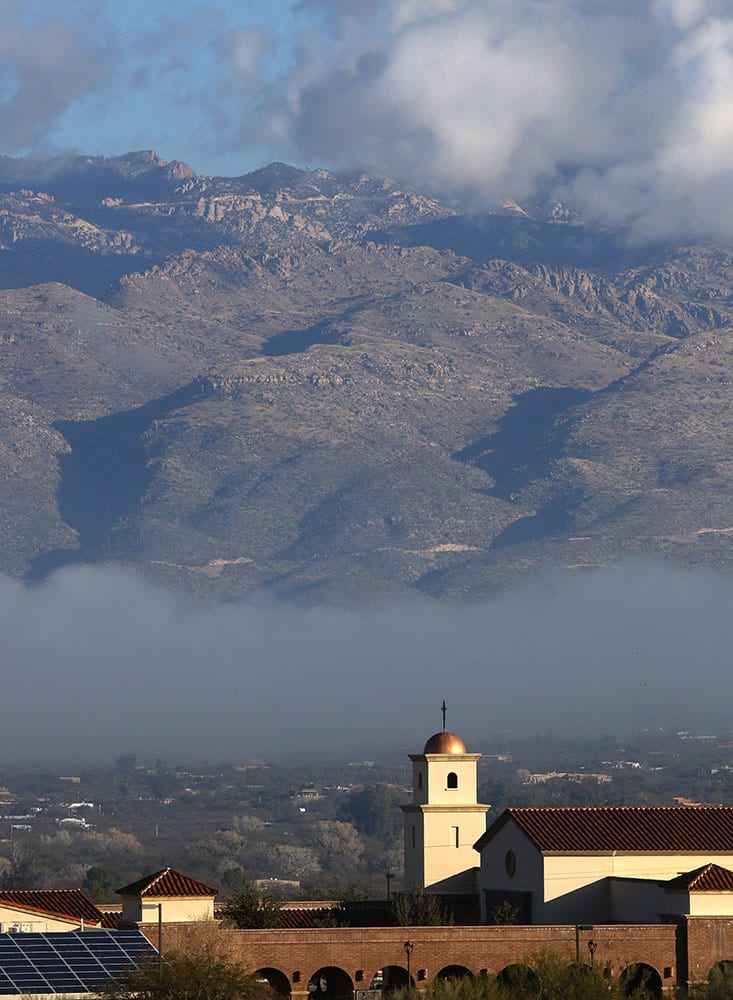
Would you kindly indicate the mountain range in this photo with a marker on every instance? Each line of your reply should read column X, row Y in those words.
column 332, row 388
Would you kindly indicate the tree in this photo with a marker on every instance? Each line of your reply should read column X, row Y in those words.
column 291, row 861
column 374, row 811
column 719, row 985
column 548, row 977
column 25, row 870
column 100, row 883
column 162, row 781
column 418, row 908
column 340, row 846
column 126, row 762
column 250, row 909
column 504, row 913
column 198, row 973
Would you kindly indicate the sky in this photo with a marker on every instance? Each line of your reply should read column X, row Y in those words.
column 622, row 108
column 125, row 666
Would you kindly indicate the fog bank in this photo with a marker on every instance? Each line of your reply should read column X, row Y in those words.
column 98, row 662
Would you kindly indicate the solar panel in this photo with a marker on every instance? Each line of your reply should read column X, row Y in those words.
column 77, row 961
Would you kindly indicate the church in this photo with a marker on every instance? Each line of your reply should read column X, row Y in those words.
column 562, row 865
column 645, row 892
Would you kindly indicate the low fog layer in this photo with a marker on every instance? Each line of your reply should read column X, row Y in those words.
column 98, row 662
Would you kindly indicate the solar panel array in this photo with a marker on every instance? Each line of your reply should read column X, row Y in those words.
column 74, row 962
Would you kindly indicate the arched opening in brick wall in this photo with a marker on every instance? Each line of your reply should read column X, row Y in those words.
column 390, row 978
column 518, row 978
column 452, row 972
column 330, row 983
column 721, row 974
column 276, row 980
column 641, row 980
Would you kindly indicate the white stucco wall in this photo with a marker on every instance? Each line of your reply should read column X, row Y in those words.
column 528, row 875
column 434, row 769
column 710, row 904
column 414, row 854
column 443, row 845
column 174, row 910
column 633, row 901
column 575, row 888
column 32, row 922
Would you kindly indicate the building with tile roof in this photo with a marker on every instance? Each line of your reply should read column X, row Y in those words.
column 47, row 910
column 593, row 864
column 167, row 896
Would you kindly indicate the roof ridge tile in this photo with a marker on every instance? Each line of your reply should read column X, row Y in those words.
column 621, row 828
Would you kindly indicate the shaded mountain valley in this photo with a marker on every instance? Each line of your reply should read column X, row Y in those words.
column 332, row 388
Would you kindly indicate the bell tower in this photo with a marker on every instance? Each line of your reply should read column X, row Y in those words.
column 444, row 819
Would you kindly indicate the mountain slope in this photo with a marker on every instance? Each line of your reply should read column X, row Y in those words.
column 334, row 388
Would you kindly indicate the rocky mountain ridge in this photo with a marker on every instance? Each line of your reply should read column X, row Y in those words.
column 334, row 388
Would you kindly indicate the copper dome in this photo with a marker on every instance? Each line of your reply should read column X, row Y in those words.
column 445, row 743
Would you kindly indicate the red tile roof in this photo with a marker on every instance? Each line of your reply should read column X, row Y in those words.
column 299, row 915
column 311, row 913
column 621, row 828
column 167, row 882
column 709, row 878
column 71, row 904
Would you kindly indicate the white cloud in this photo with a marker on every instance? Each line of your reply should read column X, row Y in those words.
column 625, row 108
column 51, row 56
column 247, row 48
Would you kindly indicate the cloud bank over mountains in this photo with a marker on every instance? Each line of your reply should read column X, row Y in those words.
column 621, row 108
column 99, row 662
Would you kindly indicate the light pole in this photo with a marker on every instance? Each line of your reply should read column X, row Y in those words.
column 390, row 876
column 578, row 929
column 408, row 951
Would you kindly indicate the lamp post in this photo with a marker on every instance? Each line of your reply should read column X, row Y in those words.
column 408, row 946
column 390, row 876
column 578, row 929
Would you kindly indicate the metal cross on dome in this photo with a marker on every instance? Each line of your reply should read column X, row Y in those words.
column 442, row 709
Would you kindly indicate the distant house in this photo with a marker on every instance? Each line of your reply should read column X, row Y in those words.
column 47, row 910
column 640, row 864
column 168, row 896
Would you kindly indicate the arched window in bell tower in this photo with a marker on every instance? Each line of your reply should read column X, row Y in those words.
column 419, row 780
column 452, row 780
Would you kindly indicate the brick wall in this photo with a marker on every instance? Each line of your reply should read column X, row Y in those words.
column 709, row 940
column 360, row 952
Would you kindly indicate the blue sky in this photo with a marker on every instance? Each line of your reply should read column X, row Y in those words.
column 621, row 108
column 169, row 63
